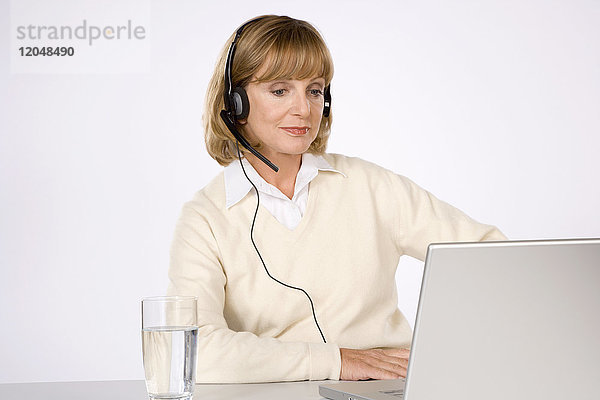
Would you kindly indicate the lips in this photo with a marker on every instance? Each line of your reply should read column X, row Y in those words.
column 296, row 130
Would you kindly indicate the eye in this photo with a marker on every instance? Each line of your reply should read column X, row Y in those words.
column 278, row 92
column 316, row 92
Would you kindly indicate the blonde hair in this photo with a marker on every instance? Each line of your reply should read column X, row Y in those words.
column 290, row 49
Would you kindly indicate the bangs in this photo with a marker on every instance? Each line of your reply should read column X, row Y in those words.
column 296, row 54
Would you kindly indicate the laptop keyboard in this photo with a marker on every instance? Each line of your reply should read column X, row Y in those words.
column 393, row 393
column 398, row 393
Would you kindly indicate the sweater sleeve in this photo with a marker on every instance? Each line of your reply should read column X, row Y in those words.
column 226, row 356
column 423, row 219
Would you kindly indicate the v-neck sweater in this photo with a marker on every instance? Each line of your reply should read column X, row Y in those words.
column 344, row 253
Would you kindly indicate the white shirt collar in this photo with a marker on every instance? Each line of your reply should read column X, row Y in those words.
column 237, row 186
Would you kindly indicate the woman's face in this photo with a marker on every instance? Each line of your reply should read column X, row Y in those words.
column 285, row 115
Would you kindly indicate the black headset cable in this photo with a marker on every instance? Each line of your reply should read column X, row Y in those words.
column 257, row 252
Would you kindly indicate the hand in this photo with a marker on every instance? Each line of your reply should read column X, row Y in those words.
column 373, row 364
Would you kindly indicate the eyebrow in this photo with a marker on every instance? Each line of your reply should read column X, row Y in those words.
column 317, row 81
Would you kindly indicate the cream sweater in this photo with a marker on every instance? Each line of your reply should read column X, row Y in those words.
column 344, row 253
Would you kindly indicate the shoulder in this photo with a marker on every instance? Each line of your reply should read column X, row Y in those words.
column 209, row 199
column 370, row 179
column 357, row 168
column 342, row 162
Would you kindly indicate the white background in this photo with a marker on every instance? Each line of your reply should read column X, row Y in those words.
column 493, row 106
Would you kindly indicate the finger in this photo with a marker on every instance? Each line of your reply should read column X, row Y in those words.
column 394, row 368
column 402, row 362
column 361, row 370
column 380, row 354
column 401, row 353
column 385, row 374
column 382, row 373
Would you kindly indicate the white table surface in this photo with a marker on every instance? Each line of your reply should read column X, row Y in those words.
column 136, row 390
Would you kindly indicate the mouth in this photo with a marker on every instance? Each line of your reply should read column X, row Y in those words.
column 296, row 130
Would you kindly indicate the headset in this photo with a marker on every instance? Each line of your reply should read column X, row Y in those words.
column 237, row 106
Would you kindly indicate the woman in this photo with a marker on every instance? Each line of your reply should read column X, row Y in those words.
column 320, row 301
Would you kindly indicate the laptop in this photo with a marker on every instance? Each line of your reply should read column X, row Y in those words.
column 515, row 320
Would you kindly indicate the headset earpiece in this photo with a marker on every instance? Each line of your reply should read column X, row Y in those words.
column 327, row 101
column 241, row 105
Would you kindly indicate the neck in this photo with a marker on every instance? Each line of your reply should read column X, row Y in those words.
column 285, row 178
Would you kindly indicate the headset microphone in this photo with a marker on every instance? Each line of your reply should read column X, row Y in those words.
column 242, row 140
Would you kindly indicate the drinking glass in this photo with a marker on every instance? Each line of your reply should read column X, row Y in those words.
column 169, row 342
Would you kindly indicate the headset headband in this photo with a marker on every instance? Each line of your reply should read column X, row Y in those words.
column 229, row 64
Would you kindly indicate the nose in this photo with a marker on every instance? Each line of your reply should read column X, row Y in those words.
column 300, row 104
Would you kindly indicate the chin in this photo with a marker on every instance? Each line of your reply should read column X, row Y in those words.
column 299, row 149
column 296, row 148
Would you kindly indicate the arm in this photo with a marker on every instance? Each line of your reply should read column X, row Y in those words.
column 226, row 356
column 424, row 219
column 420, row 218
